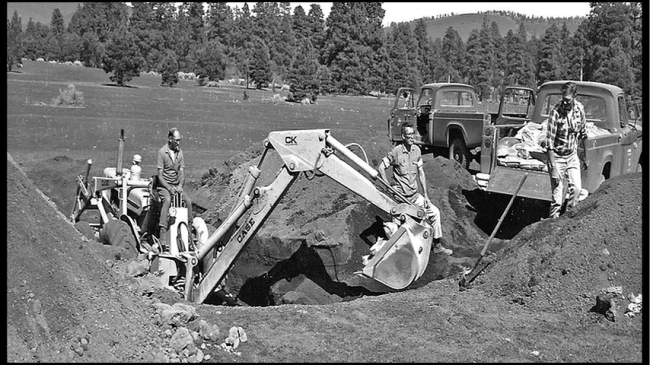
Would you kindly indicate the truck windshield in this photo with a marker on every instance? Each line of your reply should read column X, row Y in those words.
column 595, row 108
column 456, row 98
column 405, row 99
column 426, row 97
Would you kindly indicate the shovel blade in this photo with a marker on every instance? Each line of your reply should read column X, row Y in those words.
column 400, row 260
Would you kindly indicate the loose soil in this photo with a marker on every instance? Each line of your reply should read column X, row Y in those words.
column 532, row 303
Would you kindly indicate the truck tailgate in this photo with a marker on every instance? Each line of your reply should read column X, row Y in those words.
column 505, row 180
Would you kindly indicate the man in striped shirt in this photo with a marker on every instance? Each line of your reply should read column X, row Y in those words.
column 566, row 129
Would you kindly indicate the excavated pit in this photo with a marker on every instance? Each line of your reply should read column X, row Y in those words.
column 313, row 242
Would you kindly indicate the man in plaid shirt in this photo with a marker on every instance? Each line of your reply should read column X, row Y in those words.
column 566, row 129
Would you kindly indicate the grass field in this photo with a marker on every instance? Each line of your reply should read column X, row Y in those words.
column 215, row 122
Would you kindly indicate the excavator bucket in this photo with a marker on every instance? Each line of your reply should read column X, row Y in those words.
column 402, row 259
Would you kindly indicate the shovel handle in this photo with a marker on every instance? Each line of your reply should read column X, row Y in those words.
column 503, row 216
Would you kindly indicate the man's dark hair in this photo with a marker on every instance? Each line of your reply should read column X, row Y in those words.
column 570, row 87
column 171, row 132
column 406, row 125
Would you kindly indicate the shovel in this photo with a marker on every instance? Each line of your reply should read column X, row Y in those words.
column 467, row 279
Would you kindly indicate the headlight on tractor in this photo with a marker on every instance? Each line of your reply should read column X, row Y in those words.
column 172, row 212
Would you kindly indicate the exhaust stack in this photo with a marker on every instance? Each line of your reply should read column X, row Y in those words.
column 120, row 153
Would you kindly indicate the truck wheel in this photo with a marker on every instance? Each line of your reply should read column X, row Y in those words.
column 458, row 151
column 117, row 233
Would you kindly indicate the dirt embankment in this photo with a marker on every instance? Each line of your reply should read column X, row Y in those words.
column 61, row 288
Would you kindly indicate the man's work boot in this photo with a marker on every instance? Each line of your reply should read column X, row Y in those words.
column 439, row 248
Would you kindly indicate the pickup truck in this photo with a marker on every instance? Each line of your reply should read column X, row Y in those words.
column 445, row 115
column 613, row 147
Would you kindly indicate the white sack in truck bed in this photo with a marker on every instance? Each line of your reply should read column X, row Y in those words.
column 527, row 149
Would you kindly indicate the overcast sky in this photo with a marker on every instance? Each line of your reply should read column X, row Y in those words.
column 402, row 12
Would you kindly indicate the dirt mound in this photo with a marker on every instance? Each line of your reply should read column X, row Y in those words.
column 560, row 265
column 61, row 289
column 332, row 226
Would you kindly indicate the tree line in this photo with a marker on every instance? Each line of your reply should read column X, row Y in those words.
column 346, row 53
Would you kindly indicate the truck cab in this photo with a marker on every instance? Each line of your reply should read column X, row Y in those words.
column 447, row 115
column 613, row 146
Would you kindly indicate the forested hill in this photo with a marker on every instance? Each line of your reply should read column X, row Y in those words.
column 436, row 28
column 41, row 12
column 464, row 23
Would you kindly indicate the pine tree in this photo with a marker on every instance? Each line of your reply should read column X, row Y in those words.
column 616, row 68
column 210, row 61
column 549, row 66
column 260, row 65
column 285, row 45
column 243, row 38
column 57, row 24
column 453, row 53
column 473, row 55
column 99, row 18
column 195, row 20
column 52, row 48
column 518, row 69
column 164, row 24
column 303, row 74
column 437, row 62
column 182, row 39
column 301, row 26
column 338, row 33
column 403, row 55
column 122, row 57
column 607, row 23
column 95, row 23
column 147, row 37
column 14, row 40
column 324, row 77
column 380, row 79
column 527, row 59
column 425, row 51
column 566, row 52
column 500, row 58
column 485, row 61
column 316, row 21
column 71, row 47
column 350, row 41
column 57, row 27
column 30, row 41
column 168, row 69
column 220, row 24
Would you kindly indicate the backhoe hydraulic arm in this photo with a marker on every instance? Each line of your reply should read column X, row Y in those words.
column 400, row 261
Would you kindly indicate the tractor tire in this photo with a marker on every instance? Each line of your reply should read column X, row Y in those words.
column 85, row 229
column 459, row 152
column 117, row 233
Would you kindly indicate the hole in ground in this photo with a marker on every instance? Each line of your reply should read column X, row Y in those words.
column 300, row 279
